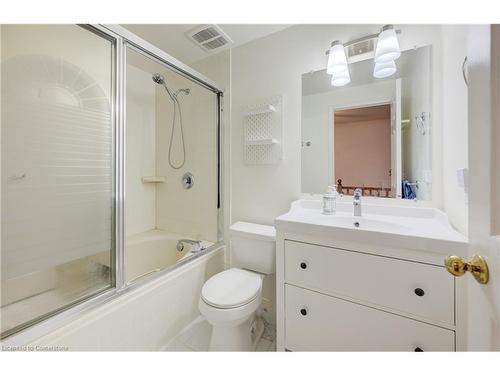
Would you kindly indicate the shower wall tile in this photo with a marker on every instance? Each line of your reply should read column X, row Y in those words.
column 140, row 203
column 191, row 212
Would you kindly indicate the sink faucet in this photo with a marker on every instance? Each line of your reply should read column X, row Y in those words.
column 195, row 245
column 357, row 201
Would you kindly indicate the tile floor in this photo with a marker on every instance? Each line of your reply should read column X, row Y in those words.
column 196, row 338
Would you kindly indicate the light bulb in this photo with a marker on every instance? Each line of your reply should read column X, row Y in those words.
column 341, row 78
column 337, row 60
column 387, row 46
column 384, row 70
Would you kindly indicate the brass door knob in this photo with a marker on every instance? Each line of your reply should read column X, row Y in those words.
column 477, row 266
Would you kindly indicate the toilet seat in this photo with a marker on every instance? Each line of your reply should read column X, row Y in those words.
column 231, row 288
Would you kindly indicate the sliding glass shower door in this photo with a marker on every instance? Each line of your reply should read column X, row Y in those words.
column 57, row 168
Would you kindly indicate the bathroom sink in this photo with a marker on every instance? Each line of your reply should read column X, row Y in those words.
column 419, row 228
column 365, row 223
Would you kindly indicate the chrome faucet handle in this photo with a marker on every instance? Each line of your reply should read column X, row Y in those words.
column 358, row 192
column 356, row 201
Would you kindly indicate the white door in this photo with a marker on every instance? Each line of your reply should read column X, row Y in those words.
column 396, row 139
column 483, row 300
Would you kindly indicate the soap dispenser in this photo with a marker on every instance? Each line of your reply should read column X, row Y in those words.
column 330, row 200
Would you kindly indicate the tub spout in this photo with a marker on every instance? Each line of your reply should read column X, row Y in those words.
column 196, row 246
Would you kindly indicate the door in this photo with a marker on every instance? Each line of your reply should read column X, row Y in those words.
column 396, row 139
column 483, row 299
column 58, row 167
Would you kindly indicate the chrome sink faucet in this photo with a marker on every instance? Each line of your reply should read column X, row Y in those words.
column 195, row 245
column 356, row 202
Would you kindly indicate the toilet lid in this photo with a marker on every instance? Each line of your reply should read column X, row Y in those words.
column 231, row 288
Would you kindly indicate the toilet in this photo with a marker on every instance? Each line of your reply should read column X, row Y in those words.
column 231, row 300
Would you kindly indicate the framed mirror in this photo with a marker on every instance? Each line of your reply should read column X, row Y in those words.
column 373, row 133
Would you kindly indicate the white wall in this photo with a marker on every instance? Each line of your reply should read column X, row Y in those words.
column 455, row 147
column 496, row 131
column 417, row 147
column 274, row 65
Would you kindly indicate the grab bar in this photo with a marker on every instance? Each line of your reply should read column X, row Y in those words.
column 144, row 274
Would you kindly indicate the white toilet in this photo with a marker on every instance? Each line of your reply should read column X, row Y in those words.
column 230, row 300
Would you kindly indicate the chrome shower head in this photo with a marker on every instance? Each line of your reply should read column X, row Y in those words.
column 158, row 78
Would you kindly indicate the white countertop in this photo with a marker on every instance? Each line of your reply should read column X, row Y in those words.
column 419, row 228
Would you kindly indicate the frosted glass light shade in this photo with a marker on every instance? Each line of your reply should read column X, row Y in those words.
column 341, row 78
column 387, row 46
column 384, row 70
column 337, row 60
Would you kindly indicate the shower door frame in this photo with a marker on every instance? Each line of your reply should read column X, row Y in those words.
column 124, row 39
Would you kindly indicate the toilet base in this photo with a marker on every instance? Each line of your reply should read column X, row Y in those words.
column 243, row 337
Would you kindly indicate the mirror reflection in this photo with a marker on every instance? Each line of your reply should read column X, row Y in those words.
column 371, row 134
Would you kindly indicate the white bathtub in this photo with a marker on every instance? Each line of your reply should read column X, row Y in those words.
column 145, row 318
column 152, row 251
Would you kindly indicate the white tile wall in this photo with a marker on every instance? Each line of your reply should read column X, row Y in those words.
column 140, row 204
column 194, row 211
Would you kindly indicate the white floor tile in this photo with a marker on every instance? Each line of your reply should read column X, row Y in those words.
column 269, row 332
column 200, row 340
column 191, row 329
column 177, row 346
column 272, row 348
column 263, row 345
column 196, row 337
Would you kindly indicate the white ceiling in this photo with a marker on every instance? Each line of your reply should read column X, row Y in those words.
column 172, row 39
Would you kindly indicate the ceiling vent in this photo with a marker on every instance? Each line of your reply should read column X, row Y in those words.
column 209, row 37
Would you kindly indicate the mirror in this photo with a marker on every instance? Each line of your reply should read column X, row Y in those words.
column 373, row 133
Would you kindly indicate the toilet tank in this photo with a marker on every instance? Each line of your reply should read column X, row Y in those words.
column 253, row 247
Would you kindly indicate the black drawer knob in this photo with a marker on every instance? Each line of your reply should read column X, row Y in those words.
column 417, row 349
column 303, row 265
column 419, row 292
column 303, row 312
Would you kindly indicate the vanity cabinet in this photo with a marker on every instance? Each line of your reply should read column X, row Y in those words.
column 337, row 299
column 346, row 296
column 375, row 282
column 319, row 322
column 346, row 300
column 422, row 290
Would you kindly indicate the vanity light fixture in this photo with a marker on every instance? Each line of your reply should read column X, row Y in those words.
column 384, row 70
column 386, row 51
column 341, row 78
column 387, row 45
column 337, row 60
column 337, row 64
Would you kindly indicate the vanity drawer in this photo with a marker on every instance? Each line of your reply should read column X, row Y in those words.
column 317, row 322
column 419, row 289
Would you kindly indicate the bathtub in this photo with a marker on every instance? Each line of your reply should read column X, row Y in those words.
column 152, row 251
column 146, row 317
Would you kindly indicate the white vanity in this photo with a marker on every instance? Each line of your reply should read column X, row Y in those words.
column 371, row 283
